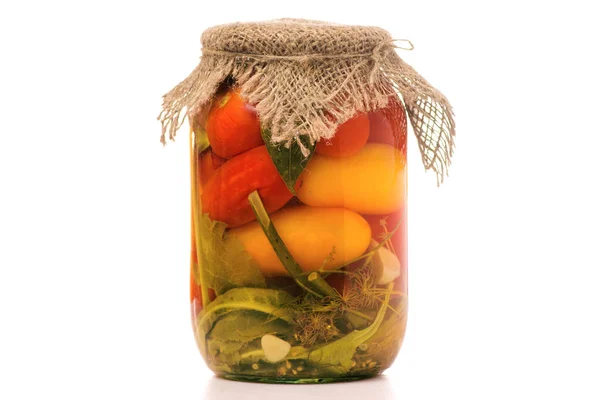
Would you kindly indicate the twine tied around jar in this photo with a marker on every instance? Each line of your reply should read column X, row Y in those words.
column 305, row 78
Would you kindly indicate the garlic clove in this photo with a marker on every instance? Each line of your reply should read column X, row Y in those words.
column 275, row 349
column 386, row 266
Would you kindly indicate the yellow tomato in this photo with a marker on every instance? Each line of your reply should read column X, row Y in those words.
column 315, row 236
column 370, row 182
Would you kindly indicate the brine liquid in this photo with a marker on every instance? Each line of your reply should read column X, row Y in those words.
column 315, row 289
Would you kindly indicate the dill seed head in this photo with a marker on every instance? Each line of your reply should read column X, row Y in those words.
column 363, row 292
column 315, row 327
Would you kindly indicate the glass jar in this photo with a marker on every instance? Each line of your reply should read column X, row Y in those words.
column 304, row 282
column 298, row 166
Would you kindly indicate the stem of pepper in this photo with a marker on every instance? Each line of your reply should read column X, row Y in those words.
column 196, row 215
column 317, row 286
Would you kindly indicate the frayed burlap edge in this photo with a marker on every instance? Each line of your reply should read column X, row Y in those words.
column 311, row 94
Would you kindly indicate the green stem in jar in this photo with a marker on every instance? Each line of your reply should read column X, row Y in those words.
column 196, row 145
column 313, row 282
column 359, row 314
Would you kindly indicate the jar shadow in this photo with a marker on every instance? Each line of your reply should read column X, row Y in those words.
column 379, row 388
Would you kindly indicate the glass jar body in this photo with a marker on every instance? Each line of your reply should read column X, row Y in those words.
column 300, row 282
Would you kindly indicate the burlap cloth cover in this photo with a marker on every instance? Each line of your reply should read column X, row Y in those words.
column 296, row 72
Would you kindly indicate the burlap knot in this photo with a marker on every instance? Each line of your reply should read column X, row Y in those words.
column 305, row 78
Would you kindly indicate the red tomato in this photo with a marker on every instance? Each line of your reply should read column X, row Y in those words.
column 349, row 138
column 225, row 196
column 209, row 162
column 232, row 125
column 388, row 125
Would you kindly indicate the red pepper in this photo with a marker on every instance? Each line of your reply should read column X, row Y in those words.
column 388, row 125
column 209, row 163
column 349, row 138
column 225, row 196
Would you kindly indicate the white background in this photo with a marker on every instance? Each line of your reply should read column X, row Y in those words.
column 94, row 212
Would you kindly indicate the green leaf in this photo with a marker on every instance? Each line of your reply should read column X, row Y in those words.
column 270, row 302
column 200, row 137
column 239, row 331
column 245, row 326
column 226, row 263
column 225, row 347
column 335, row 357
column 290, row 162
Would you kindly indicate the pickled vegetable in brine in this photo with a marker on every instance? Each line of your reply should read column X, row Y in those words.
column 298, row 264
